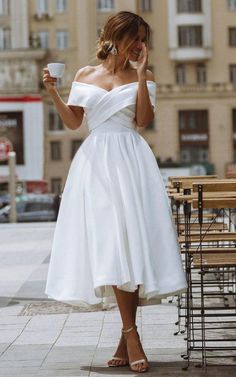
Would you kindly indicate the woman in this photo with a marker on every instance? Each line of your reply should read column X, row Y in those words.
column 114, row 237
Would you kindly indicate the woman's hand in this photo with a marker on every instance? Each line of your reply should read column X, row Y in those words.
column 49, row 81
column 142, row 62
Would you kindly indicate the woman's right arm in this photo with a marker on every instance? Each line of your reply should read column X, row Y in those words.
column 71, row 116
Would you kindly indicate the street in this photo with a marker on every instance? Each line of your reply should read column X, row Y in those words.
column 42, row 337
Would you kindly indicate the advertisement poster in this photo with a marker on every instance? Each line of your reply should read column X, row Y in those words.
column 11, row 128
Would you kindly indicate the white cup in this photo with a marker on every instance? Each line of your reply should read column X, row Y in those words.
column 56, row 69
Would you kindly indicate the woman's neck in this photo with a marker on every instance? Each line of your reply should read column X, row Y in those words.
column 114, row 64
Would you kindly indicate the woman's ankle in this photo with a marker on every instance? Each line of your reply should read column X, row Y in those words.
column 127, row 328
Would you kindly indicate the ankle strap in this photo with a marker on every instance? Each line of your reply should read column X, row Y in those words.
column 129, row 329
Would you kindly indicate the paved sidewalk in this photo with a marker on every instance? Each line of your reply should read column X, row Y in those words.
column 41, row 337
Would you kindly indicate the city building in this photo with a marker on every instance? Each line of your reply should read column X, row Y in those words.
column 195, row 54
column 21, row 104
column 192, row 53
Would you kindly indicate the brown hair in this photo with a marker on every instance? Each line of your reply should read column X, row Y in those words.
column 116, row 27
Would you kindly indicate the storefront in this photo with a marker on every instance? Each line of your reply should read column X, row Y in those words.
column 21, row 122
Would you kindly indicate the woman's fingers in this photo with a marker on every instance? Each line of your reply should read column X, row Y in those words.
column 145, row 53
column 48, row 80
column 46, row 75
column 144, row 49
column 45, row 72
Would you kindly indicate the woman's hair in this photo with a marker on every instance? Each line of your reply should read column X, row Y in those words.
column 117, row 26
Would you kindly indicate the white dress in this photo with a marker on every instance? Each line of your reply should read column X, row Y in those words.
column 115, row 224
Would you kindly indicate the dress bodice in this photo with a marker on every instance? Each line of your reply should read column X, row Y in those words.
column 102, row 106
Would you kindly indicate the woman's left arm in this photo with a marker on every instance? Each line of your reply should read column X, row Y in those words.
column 144, row 108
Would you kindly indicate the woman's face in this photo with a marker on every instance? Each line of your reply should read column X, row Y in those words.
column 135, row 48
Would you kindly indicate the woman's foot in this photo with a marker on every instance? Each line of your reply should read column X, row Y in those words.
column 120, row 358
column 137, row 358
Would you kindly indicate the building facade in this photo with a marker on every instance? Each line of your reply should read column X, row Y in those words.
column 197, row 83
column 192, row 54
column 21, row 104
column 193, row 57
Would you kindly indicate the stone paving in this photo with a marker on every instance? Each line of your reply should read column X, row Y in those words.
column 41, row 337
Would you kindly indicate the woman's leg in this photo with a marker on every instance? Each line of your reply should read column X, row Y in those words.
column 127, row 303
column 121, row 351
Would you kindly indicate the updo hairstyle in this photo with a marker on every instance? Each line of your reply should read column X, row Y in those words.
column 117, row 26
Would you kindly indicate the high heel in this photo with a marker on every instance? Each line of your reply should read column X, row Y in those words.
column 132, row 363
column 124, row 363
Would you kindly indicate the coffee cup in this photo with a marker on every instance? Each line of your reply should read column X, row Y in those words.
column 56, row 69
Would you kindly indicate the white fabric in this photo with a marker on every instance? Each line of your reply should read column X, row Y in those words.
column 115, row 225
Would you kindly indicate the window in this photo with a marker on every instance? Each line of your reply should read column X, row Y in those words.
column 201, row 74
column 232, row 36
column 234, row 132
column 75, row 144
column 146, row 5
column 194, row 155
column 193, row 120
column 34, row 40
column 193, row 136
column 189, row 6
column 5, row 38
column 61, row 6
column 4, row 7
column 62, row 39
column 190, row 36
column 232, row 73
column 55, row 149
column 56, row 185
column 43, row 38
column 37, row 206
column 54, row 121
column 180, row 74
column 105, row 5
column 20, row 207
column 42, row 7
column 232, row 4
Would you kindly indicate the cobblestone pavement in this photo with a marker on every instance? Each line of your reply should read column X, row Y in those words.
column 41, row 337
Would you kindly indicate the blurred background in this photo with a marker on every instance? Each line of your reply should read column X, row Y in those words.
column 192, row 55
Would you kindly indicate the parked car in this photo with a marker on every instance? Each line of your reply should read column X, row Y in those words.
column 4, row 200
column 32, row 207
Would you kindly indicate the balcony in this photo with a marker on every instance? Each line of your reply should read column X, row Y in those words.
column 46, row 16
column 216, row 88
column 19, row 70
column 187, row 54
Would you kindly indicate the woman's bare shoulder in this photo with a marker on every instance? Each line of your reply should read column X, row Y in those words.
column 83, row 73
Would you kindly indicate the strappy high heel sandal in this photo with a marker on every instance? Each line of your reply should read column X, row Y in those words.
column 132, row 363
column 125, row 361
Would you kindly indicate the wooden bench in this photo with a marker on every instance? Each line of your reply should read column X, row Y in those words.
column 205, row 226
column 218, row 260
column 212, row 250
column 209, row 237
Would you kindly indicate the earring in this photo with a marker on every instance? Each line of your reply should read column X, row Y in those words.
column 114, row 50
